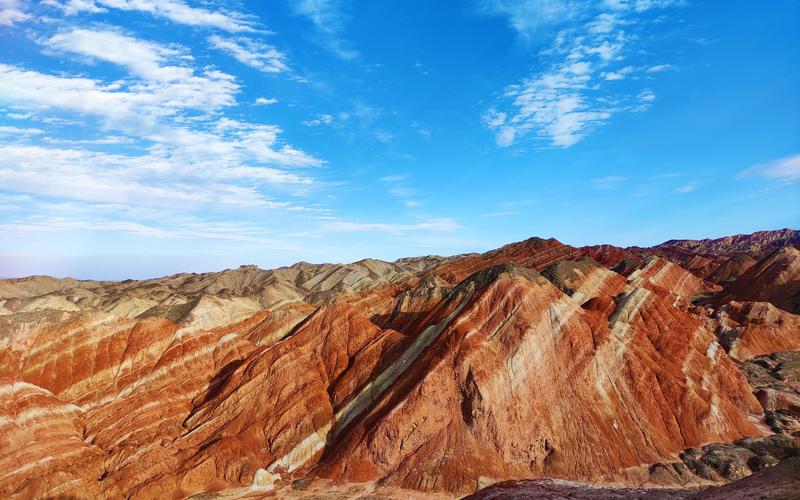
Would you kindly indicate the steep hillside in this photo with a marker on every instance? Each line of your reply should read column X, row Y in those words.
column 426, row 376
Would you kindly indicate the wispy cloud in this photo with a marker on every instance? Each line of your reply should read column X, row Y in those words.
column 499, row 214
column 401, row 189
column 329, row 18
column 686, row 188
column 147, row 180
column 151, row 110
column 785, row 170
column 175, row 10
column 519, row 203
column 393, row 178
column 527, row 17
column 11, row 12
column 20, row 131
column 431, row 225
column 574, row 93
column 266, row 101
column 661, row 68
column 226, row 231
column 187, row 156
column 260, row 56
column 107, row 140
column 619, row 74
column 608, row 182
column 144, row 59
column 323, row 119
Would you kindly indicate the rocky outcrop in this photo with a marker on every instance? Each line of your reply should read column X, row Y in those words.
column 748, row 329
column 533, row 253
column 780, row 482
column 774, row 279
column 731, row 268
column 775, row 379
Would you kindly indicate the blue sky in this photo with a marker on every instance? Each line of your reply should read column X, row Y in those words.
column 146, row 137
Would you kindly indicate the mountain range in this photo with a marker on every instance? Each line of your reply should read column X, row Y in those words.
column 537, row 370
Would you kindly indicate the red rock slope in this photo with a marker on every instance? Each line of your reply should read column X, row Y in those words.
column 436, row 375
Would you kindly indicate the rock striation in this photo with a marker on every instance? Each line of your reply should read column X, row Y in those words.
column 672, row 367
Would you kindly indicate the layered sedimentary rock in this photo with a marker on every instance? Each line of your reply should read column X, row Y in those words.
column 752, row 328
column 775, row 279
column 479, row 403
column 534, row 253
column 437, row 375
column 775, row 379
column 760, row 242
column 211, row 299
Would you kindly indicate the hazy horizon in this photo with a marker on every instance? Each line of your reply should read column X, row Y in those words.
column 115, row 276
column 142, row 139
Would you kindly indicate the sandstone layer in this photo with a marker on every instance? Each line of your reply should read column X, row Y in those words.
column 672, row 367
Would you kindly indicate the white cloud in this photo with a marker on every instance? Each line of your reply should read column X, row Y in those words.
column 432, row 225
column 143, row 110
column 644, row 5
column 499, row 214
column 661, row 68
column 230, row 231
column 187, row 162
column 640, row 5
column 99, row 141
column 527, row 17
column 329, row 18
column 568, row 95
column 604, row 23
column 257, row 55
column 686, row 188
column 402, row 190
column 646, row 99
column 393, row 178
column 619, row 74
column 265, row 101
column 11, row 12
column 647, row 95
column 20, row 131
column 144, row 59
column 147, row 180
column 553, row 104
column 118, row 104
column 786, row 170
column 174, row 10
column 323, row 119
column 88, row 176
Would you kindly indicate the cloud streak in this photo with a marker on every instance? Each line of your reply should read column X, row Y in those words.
column 175, row 10
column 785, row 170
column 255, row 54
column 432, row 225
column 329, row 19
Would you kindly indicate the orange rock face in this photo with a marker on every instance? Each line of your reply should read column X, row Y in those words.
column 481, row 403
column 438, row 375
column 753, row 328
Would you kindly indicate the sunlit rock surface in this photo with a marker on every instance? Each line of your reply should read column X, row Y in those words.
column 431, row 375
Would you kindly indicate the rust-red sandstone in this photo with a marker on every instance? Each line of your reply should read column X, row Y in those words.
column 536, row 369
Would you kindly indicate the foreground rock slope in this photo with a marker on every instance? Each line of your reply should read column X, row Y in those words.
column 672, row 367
